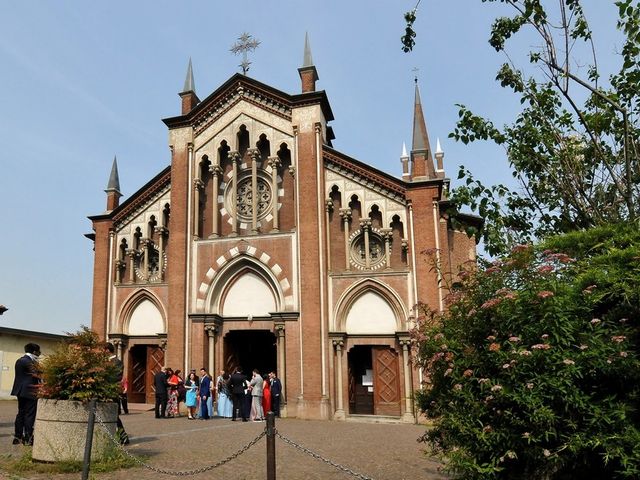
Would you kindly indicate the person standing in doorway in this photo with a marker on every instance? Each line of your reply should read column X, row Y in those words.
column 255, row 385
column 25, row 387
column 276, row 392
column 205, row 393
column 160, row 383
column 237, row 386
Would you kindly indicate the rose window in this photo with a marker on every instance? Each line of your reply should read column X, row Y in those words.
column 358, row 254
column 246, row 198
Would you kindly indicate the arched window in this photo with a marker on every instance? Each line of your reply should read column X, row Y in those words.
column 243, row 140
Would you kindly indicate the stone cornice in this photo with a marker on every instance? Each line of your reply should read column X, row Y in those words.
column 135, row 204
column 365, row 175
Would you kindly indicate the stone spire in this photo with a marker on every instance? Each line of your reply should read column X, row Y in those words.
column 404, row 160
column 439, row 154
column 189, row 84
column 308, row 72
column 113, row 187
column 420, row 148
column 188, row 94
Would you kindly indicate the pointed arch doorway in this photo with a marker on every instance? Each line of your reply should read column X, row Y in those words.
column 250, row 349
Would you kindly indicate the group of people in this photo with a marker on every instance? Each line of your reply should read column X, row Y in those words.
column 229, row 396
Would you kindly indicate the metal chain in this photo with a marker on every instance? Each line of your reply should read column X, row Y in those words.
column 175, row 472
column 321, row 458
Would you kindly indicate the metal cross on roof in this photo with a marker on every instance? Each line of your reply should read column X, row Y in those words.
column 246, row 43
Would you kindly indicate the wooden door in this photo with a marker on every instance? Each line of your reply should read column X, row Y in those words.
column 386, row 382
column 155, row 361
column 137, row 374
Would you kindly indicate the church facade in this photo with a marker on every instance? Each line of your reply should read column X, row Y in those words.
column 261, row 246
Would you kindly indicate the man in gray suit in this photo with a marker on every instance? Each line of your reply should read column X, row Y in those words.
column 25, row 385
column 256, row 396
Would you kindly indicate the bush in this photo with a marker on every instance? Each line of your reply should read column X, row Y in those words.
column 533, row 370
column 79, row 369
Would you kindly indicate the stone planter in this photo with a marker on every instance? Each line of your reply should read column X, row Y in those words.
column 60, row 430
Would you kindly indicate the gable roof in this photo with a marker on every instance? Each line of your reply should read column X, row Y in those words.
column 240, row 87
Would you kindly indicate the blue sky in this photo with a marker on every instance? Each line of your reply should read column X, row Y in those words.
column 84, row 81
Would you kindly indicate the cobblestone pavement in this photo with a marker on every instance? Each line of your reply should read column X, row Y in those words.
column 379, row 451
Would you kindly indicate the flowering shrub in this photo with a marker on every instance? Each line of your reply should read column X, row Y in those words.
column 79, row 369
column 533, row 371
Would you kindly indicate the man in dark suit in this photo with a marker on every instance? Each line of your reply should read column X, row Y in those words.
column 162, row 394
column 25, row 388
column 276, row 392
column 237, row 383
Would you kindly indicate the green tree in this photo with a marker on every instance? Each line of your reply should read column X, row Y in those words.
column 533, row 371
column 573, row 147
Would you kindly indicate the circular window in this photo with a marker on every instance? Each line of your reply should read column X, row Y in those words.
column 246, row 198
column 358, row 254
column 153, row 264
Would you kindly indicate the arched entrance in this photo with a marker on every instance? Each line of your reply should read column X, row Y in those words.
column 250, row 349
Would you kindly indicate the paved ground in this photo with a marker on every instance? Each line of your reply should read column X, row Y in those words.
column 379, row 451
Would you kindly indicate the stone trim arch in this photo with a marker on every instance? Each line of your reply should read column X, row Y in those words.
column 247, row 255
column 353, row 293
column 132, row 302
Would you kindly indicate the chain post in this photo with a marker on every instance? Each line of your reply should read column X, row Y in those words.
column 86, row 462
column 271, row 446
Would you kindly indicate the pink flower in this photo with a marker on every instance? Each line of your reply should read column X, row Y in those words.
column 541, row 346
column 529, row 385
column 487, row 429
column 457, row 386
column 568, row 361
column 545, row 269
column 618, row 338
column 595, row 321
column 524, row 353
column 546, row 452
column 514, row 339
column 483, row 380
column 491, row 303
column 583, row 346
column 506, row 365
column 491, row 338
column 467, row 373
column 623, row 354
column 544, row 336
column 494, row 347
column 496, row 388
column 623, row 320
column 545, row 294
column 447, row 372
column 589, row 289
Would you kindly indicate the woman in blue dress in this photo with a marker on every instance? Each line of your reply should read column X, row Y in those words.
column 191, row 399
column 225, row 405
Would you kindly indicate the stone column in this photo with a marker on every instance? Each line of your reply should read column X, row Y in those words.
column 365, row 224
column 386, row 235
column 118, row 345
column 339, row 413
column 235, row 158
column 408, row 406
column 216, row 173
column 328, row 208
column 197, row 187
column 281, row 365
column 131, row 253
column 345, row 214
column 274, row 163
column 161, row 231
column 255, row 155
column 211, row 330
column 145, row 264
